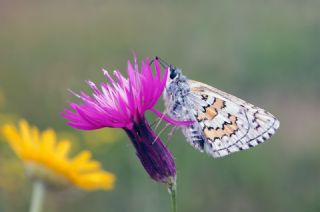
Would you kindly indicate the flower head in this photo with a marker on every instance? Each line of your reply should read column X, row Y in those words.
column 46, row 159
column 121, row 103
column 118, row 103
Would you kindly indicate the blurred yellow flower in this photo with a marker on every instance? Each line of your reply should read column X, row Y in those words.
column 46, row 159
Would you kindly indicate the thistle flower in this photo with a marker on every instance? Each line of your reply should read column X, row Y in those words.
column 122, row 103
column 47, row 160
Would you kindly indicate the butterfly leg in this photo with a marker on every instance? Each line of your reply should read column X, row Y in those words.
column 154, row 122
column 163, row 114
column 161, row 131
column 170, row 135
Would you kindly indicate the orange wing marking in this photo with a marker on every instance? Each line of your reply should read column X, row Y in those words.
column 211, row 110
column 228, row 129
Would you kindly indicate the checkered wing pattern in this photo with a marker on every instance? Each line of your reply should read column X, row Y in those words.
column 226, row 123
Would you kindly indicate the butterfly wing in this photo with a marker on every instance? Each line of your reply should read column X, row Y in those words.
column 225, row 123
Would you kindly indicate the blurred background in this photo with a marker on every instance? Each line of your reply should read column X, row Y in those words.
column 266, row 52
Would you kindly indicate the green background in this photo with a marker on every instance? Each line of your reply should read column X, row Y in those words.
column 266, row 52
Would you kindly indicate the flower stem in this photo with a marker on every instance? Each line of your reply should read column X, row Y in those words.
column 38, row 193
column 173, row 192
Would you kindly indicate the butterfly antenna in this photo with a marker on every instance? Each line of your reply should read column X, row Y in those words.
column 163, row 63
column 152, row 61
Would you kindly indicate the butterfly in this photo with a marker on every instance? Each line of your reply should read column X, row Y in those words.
column 222, row 123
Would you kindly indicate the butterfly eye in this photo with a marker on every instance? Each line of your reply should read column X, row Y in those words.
column 173, row 73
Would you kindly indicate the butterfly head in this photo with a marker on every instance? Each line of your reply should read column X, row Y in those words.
column 174, row 73
column 176, row 81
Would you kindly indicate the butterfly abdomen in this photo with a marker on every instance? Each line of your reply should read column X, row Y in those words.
column 194, row 136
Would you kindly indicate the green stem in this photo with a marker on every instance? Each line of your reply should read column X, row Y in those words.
column 38, row 193
column 173, row 192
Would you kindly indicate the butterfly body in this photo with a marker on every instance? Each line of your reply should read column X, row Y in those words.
column 222, row 123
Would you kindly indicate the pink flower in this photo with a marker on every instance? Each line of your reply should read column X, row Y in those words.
column 121, row 103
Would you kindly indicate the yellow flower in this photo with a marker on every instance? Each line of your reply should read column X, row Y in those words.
column 47, row 159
